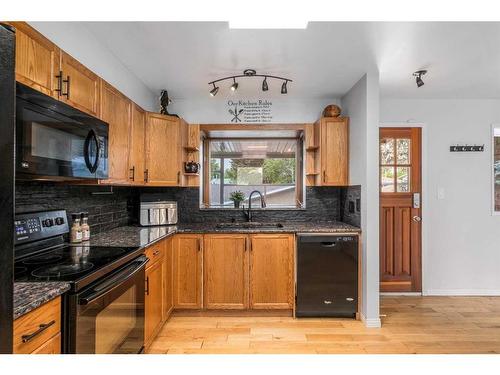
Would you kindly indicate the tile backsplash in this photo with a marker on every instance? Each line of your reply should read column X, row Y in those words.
column 105, row 211
column 120, row 208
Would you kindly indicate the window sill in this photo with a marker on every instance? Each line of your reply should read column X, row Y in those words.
column 253, row 209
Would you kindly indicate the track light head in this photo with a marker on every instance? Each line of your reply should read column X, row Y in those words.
column 264, row 85
column 234, row 86
column 214, row 91
column 283, row 88
column 418, row 77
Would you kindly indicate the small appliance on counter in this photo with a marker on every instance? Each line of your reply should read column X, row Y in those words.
column 155, row 209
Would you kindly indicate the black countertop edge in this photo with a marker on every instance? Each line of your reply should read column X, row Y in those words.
column 30, row 295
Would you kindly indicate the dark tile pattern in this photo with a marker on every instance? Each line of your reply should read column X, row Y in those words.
column 29, row 296
column 351, row 196
column 323, row 204
column 105, row 211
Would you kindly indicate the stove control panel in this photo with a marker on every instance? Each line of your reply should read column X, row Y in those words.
column 39, row 225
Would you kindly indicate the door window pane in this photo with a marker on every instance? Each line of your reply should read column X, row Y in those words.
column 387, row 179
column 403, row 151
column 387, row 151
column 403, row 179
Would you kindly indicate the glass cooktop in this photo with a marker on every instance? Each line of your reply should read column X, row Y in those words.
column 68, row 262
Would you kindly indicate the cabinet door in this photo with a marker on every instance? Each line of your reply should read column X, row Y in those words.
column 188, row 250
column 225, row 269
column 115, row 110
column 80, row 87
column 153, row 305
column 163, row 150
column 271, row 271
column 137, row 145
column 168, row 301
column 334, row 152
column 37, row 59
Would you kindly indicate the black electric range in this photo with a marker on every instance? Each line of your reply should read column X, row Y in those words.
column 106, row 284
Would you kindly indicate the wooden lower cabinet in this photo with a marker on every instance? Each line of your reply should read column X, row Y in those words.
column 271, row 271
column 51, row 346
column 188, row 268
column 153, row 309
column 39, row 330
column 168, row 280
column 225, row 269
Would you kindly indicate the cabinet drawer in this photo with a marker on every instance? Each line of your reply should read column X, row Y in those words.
column 155, row 253
column 53, row 346
column 32, row 330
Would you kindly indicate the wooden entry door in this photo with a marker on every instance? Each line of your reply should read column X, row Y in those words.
column 400, row 210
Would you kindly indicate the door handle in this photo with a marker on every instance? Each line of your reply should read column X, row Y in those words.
column 417, row 218
column 59, row 83
column 146, row 175
column 67, row 82
column 132, row 170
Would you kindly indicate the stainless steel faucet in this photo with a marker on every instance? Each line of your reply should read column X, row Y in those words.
column 248, row 213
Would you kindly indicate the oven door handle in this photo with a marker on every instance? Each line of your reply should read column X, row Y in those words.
column 91, row 137
column 113, row 281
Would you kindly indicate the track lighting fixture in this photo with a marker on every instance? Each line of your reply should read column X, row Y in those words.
column 248, row 73
column 283, row 88
column 418, row 74
column 234, row 86
column 213, row 92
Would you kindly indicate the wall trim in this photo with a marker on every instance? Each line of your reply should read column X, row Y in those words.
column 371, row 323
column 462, row 292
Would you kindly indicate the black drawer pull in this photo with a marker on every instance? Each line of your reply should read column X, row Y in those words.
column 42, row 327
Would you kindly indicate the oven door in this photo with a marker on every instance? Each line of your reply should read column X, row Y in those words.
column 65, row 145
column 110, row 314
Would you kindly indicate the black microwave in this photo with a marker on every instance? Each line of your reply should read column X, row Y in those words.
column 57, row 141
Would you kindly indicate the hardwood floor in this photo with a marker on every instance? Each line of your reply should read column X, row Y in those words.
column 409, row 325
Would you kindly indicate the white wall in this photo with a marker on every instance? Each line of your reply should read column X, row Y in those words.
column 461, row 253
column 284, row 110
column 361, row 104
column 79, row 42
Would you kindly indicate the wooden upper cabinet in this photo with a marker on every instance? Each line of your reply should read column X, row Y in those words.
column 137, row 152
column 115, row 110
column 332, row 160
column 37, row 59
column 188, row 250
column 153, row 304
column 225, row 259
column 163, row 150
column 80, row 86
column 271, row 271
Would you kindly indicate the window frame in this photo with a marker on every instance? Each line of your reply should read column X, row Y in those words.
column 300, row 181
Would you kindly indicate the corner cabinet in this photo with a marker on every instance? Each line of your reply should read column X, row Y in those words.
column 115, row 110
column 332, row 158
column 271, row 271
column 163, row 150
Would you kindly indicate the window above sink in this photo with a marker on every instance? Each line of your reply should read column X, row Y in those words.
column 253, row 161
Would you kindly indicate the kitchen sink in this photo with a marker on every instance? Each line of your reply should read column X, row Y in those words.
column 249, row 225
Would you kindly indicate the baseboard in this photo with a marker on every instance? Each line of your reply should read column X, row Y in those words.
column 462, row 292
column 397, row 294
column 371, row 323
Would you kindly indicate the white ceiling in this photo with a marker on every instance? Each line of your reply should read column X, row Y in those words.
column 324, row 60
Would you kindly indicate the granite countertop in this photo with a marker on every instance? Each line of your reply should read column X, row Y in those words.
column 135, row 236
column 29, row 296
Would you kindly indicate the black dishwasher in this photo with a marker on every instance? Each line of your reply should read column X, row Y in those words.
column 327, row 275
